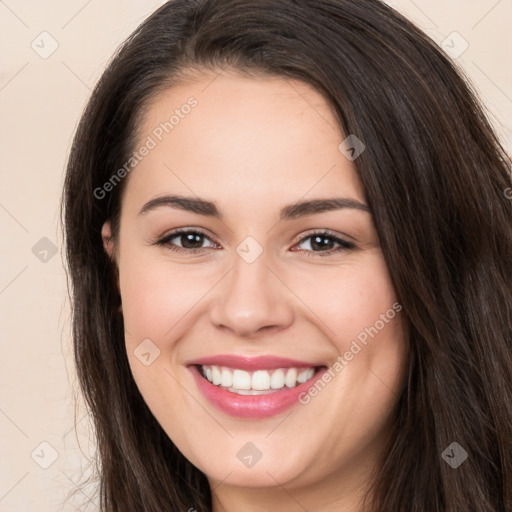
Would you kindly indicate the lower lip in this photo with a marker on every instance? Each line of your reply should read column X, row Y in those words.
column 252, row 406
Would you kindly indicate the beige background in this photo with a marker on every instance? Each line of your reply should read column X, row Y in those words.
column 40, row 103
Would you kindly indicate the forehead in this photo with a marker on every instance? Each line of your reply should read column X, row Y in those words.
column 258, row 141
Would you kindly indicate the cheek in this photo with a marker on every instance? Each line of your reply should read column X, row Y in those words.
column 158, row 301
column 358, row 311
column 158, row 297
column 350, row 299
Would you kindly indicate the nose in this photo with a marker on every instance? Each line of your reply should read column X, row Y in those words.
column 252, row 300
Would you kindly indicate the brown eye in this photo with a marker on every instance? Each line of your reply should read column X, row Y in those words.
column 324, row 244
column 191, row 240
column 186, row 240
column 319, row 243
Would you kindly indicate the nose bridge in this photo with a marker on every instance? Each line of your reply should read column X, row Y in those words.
column 252, row 297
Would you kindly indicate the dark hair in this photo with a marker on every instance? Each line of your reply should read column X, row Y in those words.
column 435, row 178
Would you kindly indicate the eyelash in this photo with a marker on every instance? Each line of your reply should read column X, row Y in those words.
column 344, row 245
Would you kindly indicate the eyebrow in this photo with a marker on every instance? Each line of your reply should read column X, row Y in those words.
column 292, row 211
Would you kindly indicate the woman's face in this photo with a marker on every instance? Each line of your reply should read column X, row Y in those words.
column 257, row 295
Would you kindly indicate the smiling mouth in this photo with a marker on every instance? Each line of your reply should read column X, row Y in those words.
column 259, row 382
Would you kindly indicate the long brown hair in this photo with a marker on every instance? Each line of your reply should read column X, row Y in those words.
column 435, row 178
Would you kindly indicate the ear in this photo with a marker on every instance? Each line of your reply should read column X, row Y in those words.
column 108, row 245
column 106, row 236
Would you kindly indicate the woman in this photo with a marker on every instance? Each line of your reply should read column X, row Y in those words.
column 288, row 240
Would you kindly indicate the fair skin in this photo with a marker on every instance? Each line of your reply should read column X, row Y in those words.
column 253, row 146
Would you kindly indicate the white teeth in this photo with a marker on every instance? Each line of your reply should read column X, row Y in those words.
column 216, row 378
column 291, row 377
column 258, row 382
column 226, row 378
column 305, row 375
column 241, row 379
column 277, row 379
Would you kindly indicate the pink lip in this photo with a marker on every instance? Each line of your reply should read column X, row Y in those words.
column 251, row 406
column 251, row 363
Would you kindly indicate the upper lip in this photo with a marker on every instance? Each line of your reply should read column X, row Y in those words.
column 251, row 363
